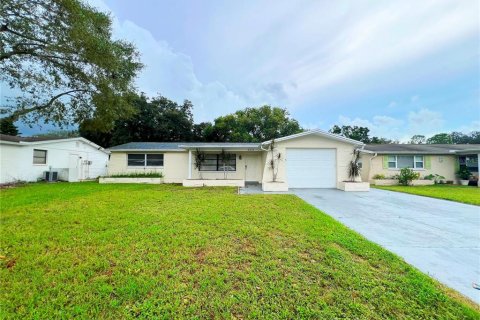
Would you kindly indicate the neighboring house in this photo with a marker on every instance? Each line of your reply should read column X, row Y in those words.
column 27, row 158
column 312, row 159
column 441, row 159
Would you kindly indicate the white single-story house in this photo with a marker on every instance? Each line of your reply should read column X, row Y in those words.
column 28, row 158
column 311, row 159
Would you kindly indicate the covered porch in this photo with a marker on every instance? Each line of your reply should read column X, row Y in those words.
column 469, row 159
column 224, row 164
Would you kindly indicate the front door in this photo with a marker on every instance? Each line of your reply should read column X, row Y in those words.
column 253, row 170
column 74, row 168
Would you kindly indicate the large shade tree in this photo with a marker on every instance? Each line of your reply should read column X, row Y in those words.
column 157, row 119
column 8, row 127
column 253, row 125
column 61, row 56
column 359, row 133
column 440, row 138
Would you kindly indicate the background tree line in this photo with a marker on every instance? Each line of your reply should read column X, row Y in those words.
column 362, row 134
column 160, row 119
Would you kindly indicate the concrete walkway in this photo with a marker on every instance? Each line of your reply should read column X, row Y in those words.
column 439, row 237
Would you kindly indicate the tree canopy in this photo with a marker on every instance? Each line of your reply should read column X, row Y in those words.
column 160, row 119
column 358, row 133
column 8, row 127
column 157, row 119
column 60, row 54
column 253, row 125
column 440, row 138
column 418, row 139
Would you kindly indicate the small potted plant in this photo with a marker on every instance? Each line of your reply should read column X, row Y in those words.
column 464, row 175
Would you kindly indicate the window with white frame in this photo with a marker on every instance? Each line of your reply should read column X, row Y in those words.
column 405, row 161
column 39, row 156
column 145, row 160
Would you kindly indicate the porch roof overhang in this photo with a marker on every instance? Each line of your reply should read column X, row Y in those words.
column 466, row 151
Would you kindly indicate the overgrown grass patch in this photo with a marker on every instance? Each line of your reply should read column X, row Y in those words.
column 464, row 194
column 85, row 250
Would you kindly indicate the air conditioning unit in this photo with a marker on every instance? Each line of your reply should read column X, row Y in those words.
column 50, row 176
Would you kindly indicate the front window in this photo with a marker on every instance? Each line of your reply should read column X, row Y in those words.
column 469, row 161
column 145, row 160
column 214, row 162
column 39, row 156
column 405, row 161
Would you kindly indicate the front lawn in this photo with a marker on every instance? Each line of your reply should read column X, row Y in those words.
column 87, row 250
column 465, row 194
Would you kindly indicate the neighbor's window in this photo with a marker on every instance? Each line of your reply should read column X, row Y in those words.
column 213, row 162
column 39, row 156
column 145, row 160
column 405, row 161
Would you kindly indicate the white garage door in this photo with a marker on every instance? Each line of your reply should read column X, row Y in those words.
column 311, row 168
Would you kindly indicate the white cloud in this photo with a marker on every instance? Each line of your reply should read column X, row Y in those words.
column 380, row 125
column 172, row 74
column 425, row 121
column 392, row 104
column 260, row 56
column 473, row 126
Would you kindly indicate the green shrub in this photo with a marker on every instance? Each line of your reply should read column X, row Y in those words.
column 438, row 179
column 379, row 177
column 137, row 175
column 463, row 173
column 407, row 175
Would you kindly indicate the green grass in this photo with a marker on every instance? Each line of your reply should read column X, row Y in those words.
column 87, row 250
column 464, row 194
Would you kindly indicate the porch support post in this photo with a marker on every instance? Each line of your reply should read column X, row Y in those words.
column 189, row 164
column 478, row 170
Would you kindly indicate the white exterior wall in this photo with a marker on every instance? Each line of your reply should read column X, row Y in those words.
column 16, row 161
column 343, row 150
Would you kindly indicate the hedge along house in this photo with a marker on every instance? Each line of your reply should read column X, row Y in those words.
column 312, row 159
column 426, row 159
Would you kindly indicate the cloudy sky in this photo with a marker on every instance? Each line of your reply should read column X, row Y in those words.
column 398, row 67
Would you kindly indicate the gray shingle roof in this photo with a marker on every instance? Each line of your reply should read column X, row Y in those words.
column 420, row 148
column 6, row 137
column 169, row 146
column 147, row 146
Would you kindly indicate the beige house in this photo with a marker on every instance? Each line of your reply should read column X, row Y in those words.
column 440, row 159
column 312, row 159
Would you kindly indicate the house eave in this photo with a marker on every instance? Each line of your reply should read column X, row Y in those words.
column 321, row 133
column 146, row 150
column 35, row 143
column 213, row 147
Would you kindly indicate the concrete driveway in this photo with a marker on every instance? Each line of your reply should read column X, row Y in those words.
column 439, row 237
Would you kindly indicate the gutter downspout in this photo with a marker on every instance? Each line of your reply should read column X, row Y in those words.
column 189, row 164
column 370, row 167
